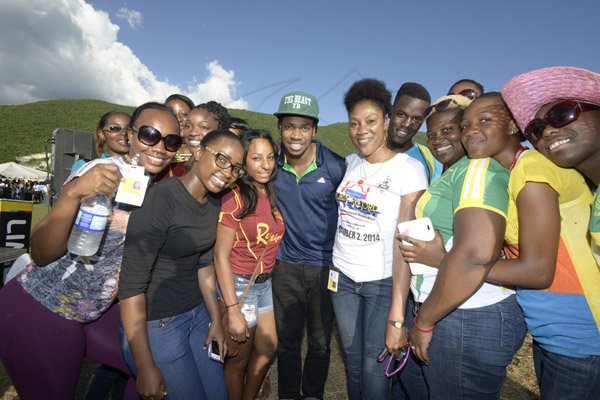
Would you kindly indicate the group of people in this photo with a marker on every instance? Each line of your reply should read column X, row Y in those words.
column 289, row 238
column 20, row 189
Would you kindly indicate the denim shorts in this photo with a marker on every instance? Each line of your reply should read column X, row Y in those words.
column 259, row 300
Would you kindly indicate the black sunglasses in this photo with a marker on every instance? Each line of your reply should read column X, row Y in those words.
column 559, row 115
column 151, row 136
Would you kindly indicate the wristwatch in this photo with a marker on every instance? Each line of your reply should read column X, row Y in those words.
column 395, row 324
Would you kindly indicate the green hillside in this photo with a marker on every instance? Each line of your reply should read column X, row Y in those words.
column 25, row 128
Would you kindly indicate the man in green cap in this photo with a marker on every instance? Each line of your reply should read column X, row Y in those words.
column 309, row 174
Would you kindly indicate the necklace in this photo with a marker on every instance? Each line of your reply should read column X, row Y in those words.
column 366, row 170
column 131, row 161
column 520, row 150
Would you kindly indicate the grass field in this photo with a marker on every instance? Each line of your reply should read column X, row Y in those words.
column 520, row 383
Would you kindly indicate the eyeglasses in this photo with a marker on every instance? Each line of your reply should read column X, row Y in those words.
column 224, row 162
column 151, row 136
column 439, row 107
column 114, row 128
column 399, row 363
column 559, row 115
column 470, row 93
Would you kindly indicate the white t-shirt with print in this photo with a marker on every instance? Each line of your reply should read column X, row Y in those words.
column 368, row 202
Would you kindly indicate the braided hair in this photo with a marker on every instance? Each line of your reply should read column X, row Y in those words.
column 221, row 114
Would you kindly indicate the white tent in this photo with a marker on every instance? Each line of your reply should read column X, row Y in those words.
column 13, row 170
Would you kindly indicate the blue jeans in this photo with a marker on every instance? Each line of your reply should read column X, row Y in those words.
column 468, row 354
column 566, row 378
column 177, row 345
column 361, row 311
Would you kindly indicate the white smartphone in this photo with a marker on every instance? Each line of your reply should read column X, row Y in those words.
column 421, row 229
column 213, row 351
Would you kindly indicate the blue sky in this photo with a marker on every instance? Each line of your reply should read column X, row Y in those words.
column 258, row 50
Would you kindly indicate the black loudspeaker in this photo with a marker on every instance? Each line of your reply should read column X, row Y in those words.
column 68, row 146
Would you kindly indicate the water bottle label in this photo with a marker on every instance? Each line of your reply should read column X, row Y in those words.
column 91, row 222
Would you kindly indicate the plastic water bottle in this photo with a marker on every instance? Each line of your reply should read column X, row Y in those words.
column 89, row 226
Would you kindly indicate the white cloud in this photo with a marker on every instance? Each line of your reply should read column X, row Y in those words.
column 219, row 85
column 70, row 50
column 133, row 18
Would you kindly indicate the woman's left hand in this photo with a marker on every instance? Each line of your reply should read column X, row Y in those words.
column 419, row 343
column 395, row 339
column 430, row 252
column 217, row 333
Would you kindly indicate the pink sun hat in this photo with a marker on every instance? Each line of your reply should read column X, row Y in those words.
column 528, row 92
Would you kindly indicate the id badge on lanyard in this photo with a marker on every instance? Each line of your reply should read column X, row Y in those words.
column 133, row 186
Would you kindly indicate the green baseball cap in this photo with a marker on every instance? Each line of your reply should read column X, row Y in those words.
column 299, row 103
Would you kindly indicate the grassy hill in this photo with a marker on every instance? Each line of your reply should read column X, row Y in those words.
column 25, row 128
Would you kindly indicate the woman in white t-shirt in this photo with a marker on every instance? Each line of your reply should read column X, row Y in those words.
column 379, row 190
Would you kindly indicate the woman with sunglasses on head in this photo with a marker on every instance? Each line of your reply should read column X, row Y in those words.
column 167, row 288
column 248, row 235
column 465, row 332
column 558, row 109
column 110, row 133
column 379, row 189
column 468, row 88
column 60, row 308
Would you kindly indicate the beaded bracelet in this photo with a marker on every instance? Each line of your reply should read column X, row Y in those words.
column 421, row 329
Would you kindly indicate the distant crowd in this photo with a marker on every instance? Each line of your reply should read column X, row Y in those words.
column 20, row 189
column 433, row 259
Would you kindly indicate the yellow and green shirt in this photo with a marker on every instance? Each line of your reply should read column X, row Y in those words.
column 565, row 317
column 467, row 183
